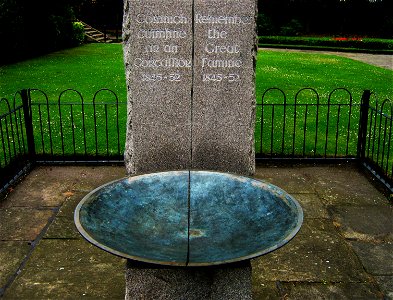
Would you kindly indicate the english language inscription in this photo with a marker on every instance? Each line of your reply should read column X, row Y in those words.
column 157, row 38
column 190, row 76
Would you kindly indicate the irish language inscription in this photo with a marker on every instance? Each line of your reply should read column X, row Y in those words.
column 161, row 38
column 161, row 54
column 191, row 84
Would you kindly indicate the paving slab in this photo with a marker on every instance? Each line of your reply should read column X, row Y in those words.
column 62, row 228
column 265, row 291
column 386, row 285
column 342, row 248
column 345, row 185
column 366, row 223
column 88, row 178
column 323, row 290
column 69, row 269
column 40, row 188
column 50, row 186
column 292, row 180
column 377, row 259
column 337, row 291
column 23, row 224
column 68, row 208
column 312, row 206
column 316, row 254
column 12, row 254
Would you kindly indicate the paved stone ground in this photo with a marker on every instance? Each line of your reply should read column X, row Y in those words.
column 343, row 251
column 379, row 60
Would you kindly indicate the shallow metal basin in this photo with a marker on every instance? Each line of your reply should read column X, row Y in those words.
column 188, row 218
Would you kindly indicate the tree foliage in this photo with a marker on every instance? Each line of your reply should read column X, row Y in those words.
column 100, row 13
column 372, row 18
column 29, row 28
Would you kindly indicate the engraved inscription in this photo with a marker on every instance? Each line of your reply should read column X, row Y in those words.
column 160, row 38
column 162, row 63
column 158, row 19
column 163, row 34
column 221, row 58
column 218, row 77
column 160, row 77
column 222, row 20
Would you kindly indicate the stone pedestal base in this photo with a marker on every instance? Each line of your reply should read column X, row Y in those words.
column 145, row 281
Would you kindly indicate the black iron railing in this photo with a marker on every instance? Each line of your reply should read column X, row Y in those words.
column 307, row 126
column 71, row 129
column 376, row 150
column 14, row 154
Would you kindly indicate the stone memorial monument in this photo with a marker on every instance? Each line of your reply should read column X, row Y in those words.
column 190, row 68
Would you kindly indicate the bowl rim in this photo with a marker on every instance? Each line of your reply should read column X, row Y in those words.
column 282, row 242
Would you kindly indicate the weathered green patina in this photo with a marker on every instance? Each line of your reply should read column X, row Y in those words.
column 188, row 218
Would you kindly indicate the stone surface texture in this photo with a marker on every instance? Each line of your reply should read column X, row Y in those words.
column 330, row 258
column 191, row 105
column 147, row 282
column 158, row 64
column 72, row 269
column 191, row 85
column 223, row 105
column 12, row 254
column 42, row 255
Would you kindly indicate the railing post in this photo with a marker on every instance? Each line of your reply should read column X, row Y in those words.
column 28, row 123
column 363, row 122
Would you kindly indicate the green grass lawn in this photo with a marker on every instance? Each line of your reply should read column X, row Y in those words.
column 94, row 66
column 292, row 71
column 87, row 69
column 367, row 45
column 311, row 135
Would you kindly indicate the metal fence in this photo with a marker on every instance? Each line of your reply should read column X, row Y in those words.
column 375, row 146
column 307, row 126
column 78, row 131
column 70, row 129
